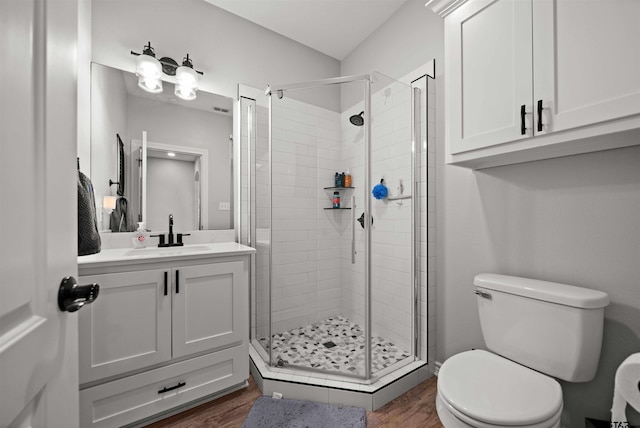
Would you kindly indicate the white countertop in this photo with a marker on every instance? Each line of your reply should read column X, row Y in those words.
column 117, row 256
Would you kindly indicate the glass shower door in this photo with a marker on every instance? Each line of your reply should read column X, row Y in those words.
column 393, row 232
column 318, row 295
column 253, row 227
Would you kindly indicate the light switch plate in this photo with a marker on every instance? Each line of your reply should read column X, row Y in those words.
column 224, row 206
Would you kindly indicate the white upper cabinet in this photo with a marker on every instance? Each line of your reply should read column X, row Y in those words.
column 489, row 72
column 527, row 79
column 586, row 61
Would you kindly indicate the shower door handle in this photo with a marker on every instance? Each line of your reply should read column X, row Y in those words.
column 353, row 230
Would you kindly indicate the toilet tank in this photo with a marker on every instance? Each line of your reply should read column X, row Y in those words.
column 549, row 327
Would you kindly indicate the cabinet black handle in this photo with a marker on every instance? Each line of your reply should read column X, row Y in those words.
column 177, row 281
column 179, row 385
column 523, row 129
column 166, row 280
column 540, row 115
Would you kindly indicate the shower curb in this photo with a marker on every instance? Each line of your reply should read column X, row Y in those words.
column 370, row 397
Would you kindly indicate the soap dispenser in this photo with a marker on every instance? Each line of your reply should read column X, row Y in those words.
column 140, row 238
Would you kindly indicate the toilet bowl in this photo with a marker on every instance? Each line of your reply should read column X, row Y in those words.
column 483, row 390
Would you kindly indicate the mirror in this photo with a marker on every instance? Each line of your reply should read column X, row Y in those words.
column 177, row 157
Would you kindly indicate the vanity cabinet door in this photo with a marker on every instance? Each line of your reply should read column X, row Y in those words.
column 210, row 306
column 128, row 327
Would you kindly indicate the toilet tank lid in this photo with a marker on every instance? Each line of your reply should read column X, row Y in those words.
column 553, row 292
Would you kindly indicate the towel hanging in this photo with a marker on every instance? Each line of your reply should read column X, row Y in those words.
column 88, row 236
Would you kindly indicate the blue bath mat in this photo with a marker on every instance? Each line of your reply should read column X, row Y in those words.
column 269, row 412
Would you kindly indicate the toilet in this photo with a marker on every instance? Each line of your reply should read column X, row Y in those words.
column 535, row 331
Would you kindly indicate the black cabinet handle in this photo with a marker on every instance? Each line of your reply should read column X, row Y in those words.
column 166, row 285
column 523, row 129
column 179, row 385
column 177, row 281
column 540, row 108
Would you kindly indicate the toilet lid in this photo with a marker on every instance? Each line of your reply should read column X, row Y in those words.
column 494, row 390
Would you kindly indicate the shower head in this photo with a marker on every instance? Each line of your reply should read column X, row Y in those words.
column 357, row 119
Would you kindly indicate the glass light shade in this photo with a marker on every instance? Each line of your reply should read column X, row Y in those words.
column 149, row 72
column 186, row 83
column 109, row 202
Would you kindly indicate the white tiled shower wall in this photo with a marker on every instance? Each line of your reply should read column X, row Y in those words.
column 313, row 277
column 306, row 257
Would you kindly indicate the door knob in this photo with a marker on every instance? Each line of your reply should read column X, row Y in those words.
column 72, row 296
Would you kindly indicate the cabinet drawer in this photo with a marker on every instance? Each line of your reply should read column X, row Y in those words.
column 131, row 399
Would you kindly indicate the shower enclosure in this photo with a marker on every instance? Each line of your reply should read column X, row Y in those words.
column 336, row 280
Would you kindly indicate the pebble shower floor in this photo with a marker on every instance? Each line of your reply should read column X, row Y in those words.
column 335, row 344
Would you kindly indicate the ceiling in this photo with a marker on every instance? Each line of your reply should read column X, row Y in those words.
column 333, row 27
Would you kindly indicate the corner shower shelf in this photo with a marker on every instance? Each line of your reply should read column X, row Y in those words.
column 339, row 188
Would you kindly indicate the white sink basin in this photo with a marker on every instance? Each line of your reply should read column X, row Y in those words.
column 167, row 251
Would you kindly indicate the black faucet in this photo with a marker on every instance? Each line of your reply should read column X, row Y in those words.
column 170, row 229
column 171, row 242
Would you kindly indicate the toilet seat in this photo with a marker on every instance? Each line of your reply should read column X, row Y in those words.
column 484, row 389
column 451, row 418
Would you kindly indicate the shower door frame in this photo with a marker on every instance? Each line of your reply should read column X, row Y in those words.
column 368, row 80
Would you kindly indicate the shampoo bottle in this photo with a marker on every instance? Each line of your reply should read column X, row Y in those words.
column 336, row 199
column 140, row 238
column 347, row 179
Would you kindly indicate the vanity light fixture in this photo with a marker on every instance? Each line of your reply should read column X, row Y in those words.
column 171, row 154
column 149, row 71
column 186, row 80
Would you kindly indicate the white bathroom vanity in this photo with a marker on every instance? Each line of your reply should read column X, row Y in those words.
column 169, row 330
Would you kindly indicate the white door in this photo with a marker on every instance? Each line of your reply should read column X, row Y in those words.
column 38, row 212
column 586, row 61
column 489, row 73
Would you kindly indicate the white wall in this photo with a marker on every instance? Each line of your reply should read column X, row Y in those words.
column 228, row 49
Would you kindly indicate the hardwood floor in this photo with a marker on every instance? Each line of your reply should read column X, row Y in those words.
column 416, row 408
